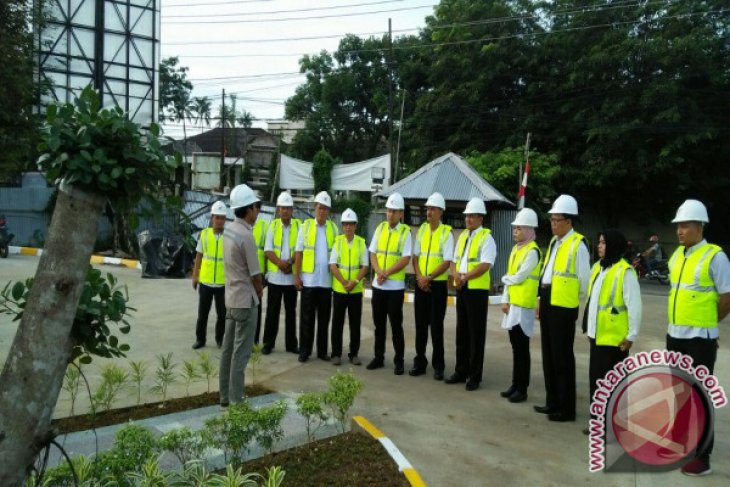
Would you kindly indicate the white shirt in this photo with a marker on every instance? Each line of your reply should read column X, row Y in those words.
column 199, row 249
column 320, row 277
column 391, row 284
column 517, row 315
column 632, row 298
column 277, row 277
column 582, row 265
column 487, row 254
column 720, row 275
column 364, row 256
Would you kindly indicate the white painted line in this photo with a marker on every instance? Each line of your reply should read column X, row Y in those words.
column 395, row 454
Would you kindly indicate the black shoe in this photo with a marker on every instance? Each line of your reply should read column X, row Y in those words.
column 544, row 409
column 293, row 350
column 560, row 417
column 416, row 371
column 326, row 358
column 518, row 396
column 509, row 391
column 398, row 369
column 219, row 343
column 472, row 385
column 438, row 375
column 455, row 379
column 266, row 350
column 198, row 345
column 375, row 364
column 303, row 358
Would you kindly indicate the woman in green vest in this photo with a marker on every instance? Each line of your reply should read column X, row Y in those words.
column 520, row 299
column 612, row 313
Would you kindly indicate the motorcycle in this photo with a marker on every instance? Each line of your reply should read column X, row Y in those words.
column 5, row 238
column 659, row 273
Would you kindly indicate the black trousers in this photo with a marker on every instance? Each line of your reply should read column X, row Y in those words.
column 471, row 332
column 557, row 330
column 703, row 352
column 602, row 359
column 316, row 303
column 206, row 294
column 388, row 305
column 352, row 303
column 273, row 308
column 520, row 358
column 430, row 309
column 258, row 325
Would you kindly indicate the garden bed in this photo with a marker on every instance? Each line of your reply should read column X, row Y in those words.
column 84, row 422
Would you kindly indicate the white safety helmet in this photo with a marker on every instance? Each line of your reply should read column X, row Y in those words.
column 348, row 216
column 565, row 205
column 284, row 199
column 475, row 206
column 526, row 217
column 323, row 199
column 691, row 211
column 242, row 196
column 395, row 202
column 436, row 201
column 219, row 208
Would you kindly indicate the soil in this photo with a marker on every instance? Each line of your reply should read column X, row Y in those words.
column 122, row 415
column 351, row 459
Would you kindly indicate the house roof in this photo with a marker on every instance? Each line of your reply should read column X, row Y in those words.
column 449, row 175
column 210, row 140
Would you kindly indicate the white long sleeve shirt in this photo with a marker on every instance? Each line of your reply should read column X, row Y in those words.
column 517, row 315
column 582, row 265
column 632, row 298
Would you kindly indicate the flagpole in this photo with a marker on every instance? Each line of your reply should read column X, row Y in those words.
column 523, row 177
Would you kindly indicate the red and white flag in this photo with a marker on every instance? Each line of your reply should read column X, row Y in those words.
column 523, row 186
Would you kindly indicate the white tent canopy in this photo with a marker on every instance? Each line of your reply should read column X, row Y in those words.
column 297, row 174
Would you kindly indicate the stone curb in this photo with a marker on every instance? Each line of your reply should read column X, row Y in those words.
column 95, row 259
column 404, row 465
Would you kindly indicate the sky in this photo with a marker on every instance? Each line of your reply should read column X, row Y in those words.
column 252, row 47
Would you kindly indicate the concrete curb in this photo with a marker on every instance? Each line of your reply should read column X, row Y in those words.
column 403, row 464
column 95, row 259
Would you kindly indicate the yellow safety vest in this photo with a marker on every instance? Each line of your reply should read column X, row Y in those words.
column 612, row 318
column 212, row 270
column 524, row 294
column 565, row 283
column 348, row 262
column 390, row 247
column 277, row 228
column 310, row 239
column 259, row 236
column 483, row 281
column 693, row 297
column 432, row 249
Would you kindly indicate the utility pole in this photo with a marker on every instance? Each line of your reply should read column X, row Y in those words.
column 400, row 130
column 388, row 62
column 223, row 139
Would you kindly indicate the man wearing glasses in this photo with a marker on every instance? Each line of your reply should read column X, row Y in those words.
column 563, row 283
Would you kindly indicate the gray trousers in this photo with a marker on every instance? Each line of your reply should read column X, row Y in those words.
column 236, row 350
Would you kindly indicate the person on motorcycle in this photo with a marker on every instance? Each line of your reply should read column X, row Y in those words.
column 653, row 255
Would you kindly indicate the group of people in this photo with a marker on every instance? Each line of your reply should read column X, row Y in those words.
column 328, row 266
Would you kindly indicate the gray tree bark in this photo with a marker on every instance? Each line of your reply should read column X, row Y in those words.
column 33, row 373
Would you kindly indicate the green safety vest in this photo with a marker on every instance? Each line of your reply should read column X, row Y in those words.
column 483, row 281
column 310, row 239
column 612, row 318
column 390, row 247
column 348, row 262
column 259, row 236
column 693, row 297
column 277, row 229
column 432, row 249
column 524, row 294
column 565, row 284
column 212, row 270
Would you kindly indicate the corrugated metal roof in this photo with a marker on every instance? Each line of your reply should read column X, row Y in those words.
column 451, row 176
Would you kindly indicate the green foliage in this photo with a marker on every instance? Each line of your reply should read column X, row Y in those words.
column 343, row 388
column 189, row 374
column 274, row 477
column 234, row 478
column 164, row 375
column 207, row 367
column 269, row 425
column 174, row 84
column 361, row 208
column 187, row 445
column 138, row 371
column 103, row 301
column 113, row 380
column 322, row 165
column 71, row 383
column 151, row 475
column 133, row 446
column 311, row 406
column 233, row 431
column 99, row 150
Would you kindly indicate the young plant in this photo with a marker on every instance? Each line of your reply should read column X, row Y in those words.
column 164, row 375
column 274, row 477
column 151, row 475
column 189, row 374
column 255, row 360
column 341, row 395
column 269, row 425
column 71, row 383
column 233, row 431
column 234, row 478
column 196, row 474
column 310, row 406
column 207, row 367
column 187, row 445
column 137, row 374
column 113, row 378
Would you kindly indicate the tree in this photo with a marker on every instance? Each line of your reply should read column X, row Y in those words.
column 174, row 86
column 96, row 154
column 18, row 126
column 322, row 165
column 201, row 109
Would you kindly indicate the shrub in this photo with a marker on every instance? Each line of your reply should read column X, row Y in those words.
column 343, row 388
column 233, row 431
column 310, row 406
column 187, row 445
column 189, row 374
column 269, row 430
column 164, row 375
column 113, row 379
column 138, row 373
column 207, row 367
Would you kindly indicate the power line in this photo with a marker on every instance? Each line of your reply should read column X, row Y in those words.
column 201, row 4
column 270, row 12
